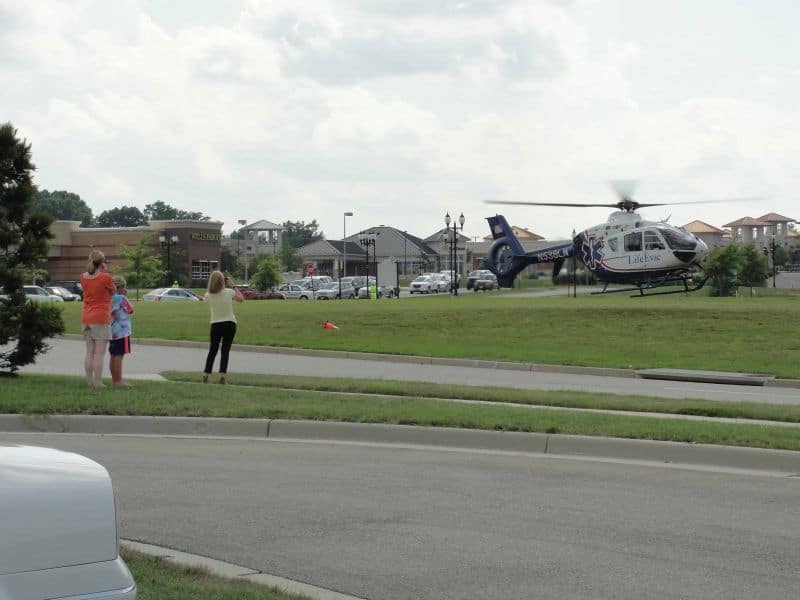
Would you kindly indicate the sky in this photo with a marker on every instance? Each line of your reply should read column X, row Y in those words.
column 403, row 111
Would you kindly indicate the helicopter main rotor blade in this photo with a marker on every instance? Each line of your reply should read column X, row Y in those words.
column 509, row 202
column 717, row 201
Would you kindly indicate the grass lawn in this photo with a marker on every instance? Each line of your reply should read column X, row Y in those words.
column 158, row 579
column 757, row 335
column 39, row 394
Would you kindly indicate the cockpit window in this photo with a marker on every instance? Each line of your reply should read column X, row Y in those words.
column 633, row 242
column 679, row 239
column 652, row 241
column 612, row 243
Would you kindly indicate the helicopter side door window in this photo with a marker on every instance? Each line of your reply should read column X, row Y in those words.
column 652, row 241
column 633, row 242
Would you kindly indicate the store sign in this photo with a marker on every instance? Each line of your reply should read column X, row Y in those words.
column 206, row 236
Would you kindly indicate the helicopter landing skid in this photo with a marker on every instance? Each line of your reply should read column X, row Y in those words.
column 642, row 289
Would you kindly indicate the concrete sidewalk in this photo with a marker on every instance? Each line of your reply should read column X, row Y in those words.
column 778, row 462
column 719, row 377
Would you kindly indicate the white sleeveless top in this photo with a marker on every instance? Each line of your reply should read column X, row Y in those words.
column 221, row 305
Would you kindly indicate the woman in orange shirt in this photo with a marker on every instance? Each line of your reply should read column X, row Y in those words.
column 98, row 287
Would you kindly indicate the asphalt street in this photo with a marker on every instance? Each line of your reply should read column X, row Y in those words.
column 400, row 523
column 66, row 357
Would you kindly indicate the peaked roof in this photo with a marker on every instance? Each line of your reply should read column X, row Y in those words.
column 521, row 233
column 702, row 227
column 262, row 225
column 775, row 218
column 436, row 237
column 352, row 247
column 746, row 222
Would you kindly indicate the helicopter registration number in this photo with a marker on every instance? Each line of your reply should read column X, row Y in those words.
column 550, row 255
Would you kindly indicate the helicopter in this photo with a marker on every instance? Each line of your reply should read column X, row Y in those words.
column 626, row 249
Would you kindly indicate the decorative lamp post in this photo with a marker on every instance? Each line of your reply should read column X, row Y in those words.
column 451, row 238
column 168, row 240
column 367, row 240
column 344, row 249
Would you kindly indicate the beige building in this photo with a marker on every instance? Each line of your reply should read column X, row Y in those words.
column 191, row 248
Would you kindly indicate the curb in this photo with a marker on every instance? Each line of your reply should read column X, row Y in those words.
column 782, row 462
column 230, row 571
column 677, row 374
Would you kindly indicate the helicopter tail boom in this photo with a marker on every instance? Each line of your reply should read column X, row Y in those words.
column 507, row 257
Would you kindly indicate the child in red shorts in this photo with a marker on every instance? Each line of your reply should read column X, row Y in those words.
column 120, row 344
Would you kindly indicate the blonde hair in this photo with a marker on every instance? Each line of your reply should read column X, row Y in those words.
column 96, row 258
column 216, row 282
column 119, row 281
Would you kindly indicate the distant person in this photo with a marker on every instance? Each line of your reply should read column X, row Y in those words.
column 120, row 344
column 98, row 287
column 220, row 296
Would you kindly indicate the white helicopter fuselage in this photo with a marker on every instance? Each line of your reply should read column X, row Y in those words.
column 629, row 249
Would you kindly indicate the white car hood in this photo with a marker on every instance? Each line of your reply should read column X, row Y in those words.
column 57, row 510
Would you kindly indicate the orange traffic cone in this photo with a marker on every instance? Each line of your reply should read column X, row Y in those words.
column 329, row 325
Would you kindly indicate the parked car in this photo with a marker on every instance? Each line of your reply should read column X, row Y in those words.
column 292, row 291
column 250, row 293
column 170, row 295
column 423, row 285
column 330, row 291
column 360, row 281
column 73, row 286
column 39, row 294
column 449, row 275
column 65, row 294
column 473, row 276
column 384, row 291
column 317, row 281
column 60, row 537
column 487, row 281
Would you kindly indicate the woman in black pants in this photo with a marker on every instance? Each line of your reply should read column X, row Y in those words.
column 220, row 297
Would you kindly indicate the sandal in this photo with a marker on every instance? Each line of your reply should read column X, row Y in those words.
column 205, row 377
column 222, row 380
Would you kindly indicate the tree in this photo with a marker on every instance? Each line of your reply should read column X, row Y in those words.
column 142, row 269
column 230, row 263
column 159, row 211
column 722, row 268
column 290, row 259
column 298, row 234
column 64, row 206
column 782, row 256
column 266, row 275
column 126, row 216
column 24, row 233
column 753, row 268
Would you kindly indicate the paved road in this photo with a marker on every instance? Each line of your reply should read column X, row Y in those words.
column 400, row 523
column 66, row 357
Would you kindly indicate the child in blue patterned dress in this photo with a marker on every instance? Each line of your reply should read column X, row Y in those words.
column 120, row 344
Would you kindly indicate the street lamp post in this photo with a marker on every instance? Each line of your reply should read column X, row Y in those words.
column 367, row 240
column 453, row 250
column 168, row 240
column 344, row 249
column 405, row 256
column 242, row 223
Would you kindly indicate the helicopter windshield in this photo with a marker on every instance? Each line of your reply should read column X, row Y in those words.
column 679, row 239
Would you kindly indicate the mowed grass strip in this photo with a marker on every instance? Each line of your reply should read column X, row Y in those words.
column 158, row 579
column 566, row 399
column 745, row 334
column 40, row 394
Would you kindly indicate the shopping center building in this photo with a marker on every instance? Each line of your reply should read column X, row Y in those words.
column 190, row 249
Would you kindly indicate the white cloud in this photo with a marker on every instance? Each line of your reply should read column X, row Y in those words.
column 399, row 112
